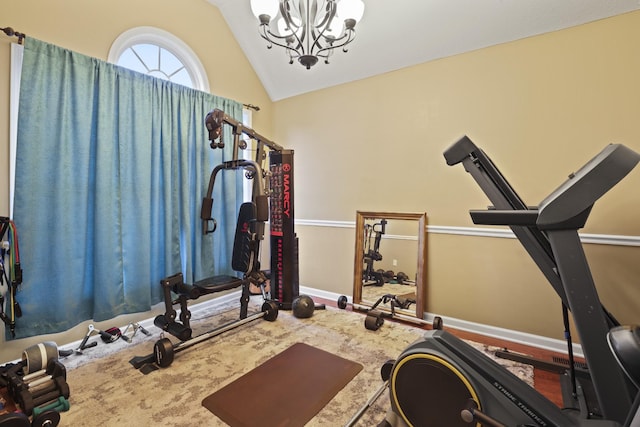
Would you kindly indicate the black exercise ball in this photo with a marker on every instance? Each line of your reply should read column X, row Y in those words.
column 303, row 307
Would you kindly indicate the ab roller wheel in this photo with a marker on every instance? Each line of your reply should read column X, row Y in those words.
column 36, row 357
column 374, row 320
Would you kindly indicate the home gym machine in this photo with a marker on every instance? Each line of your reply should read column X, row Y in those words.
column 272, row 194
column 369, row 275
column 442, row 381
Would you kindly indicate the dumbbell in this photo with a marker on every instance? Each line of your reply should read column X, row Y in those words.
column 57, row 384
column 388, row 276
column 29, row 402
column 42, row 379
column 39, row 387
column 401, row 277
column 54, row 369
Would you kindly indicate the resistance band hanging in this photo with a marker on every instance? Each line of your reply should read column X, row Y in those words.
column 10, row 274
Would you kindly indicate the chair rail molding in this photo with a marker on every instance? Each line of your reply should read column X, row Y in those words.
column 503, row 233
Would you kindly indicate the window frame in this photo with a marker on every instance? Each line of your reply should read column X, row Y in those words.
column 17, row 51
column 165, row 40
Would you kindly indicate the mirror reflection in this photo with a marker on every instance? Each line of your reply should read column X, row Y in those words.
column 389, row 272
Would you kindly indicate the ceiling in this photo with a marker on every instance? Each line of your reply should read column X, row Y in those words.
column 394, row 34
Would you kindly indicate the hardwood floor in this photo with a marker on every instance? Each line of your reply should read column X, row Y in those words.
column 547, row 383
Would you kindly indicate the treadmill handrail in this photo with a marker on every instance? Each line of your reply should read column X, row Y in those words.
column 503, row 196
column 525, row 218
column 581, row 190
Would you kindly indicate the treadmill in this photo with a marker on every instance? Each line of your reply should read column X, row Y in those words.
column 549, row 233
column 441, row 380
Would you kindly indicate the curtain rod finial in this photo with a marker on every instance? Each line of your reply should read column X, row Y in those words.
column 11, row 33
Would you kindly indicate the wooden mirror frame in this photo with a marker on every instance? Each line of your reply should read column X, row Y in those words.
column 421, row 258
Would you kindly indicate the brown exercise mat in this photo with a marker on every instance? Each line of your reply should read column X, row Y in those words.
column 287, row 390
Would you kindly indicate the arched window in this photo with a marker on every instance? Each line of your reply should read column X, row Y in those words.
column 158, row 53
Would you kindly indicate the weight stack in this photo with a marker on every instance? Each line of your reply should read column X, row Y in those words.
column 284, row 242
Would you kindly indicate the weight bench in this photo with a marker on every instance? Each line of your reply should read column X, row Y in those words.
column 244, row 260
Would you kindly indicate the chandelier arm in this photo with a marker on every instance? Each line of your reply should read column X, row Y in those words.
column 322, row 27
column 291, row 50
column 293, row 28
column 274, row 39
column 330, row 40
column 350, row 35
column 263, row 30
column 329, row 13
column 305, row 26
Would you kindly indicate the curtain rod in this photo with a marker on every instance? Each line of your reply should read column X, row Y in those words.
column 21, row 36
column 252, row 107
column 11, row 33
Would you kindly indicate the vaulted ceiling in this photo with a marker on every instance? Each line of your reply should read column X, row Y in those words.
column 394, row 34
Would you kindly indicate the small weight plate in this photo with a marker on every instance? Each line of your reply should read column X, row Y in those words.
column 270, row 309
column 163, row 351
column 46, row 419
column 437, row 323
column 342, row 302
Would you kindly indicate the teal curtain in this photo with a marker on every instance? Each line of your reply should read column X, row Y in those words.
column 111, row 168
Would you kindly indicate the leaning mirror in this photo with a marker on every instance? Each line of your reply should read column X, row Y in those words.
column 390, row 263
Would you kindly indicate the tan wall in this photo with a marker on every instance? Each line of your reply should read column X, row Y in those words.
column 540, row 107
column 90, row 27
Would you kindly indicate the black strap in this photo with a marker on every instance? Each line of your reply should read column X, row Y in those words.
column 567, row 335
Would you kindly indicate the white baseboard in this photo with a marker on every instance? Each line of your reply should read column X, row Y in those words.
column 531, row 340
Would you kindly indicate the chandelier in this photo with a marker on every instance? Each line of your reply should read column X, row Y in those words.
column 308, row 29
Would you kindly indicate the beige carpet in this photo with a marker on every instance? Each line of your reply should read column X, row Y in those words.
column 107, row 391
